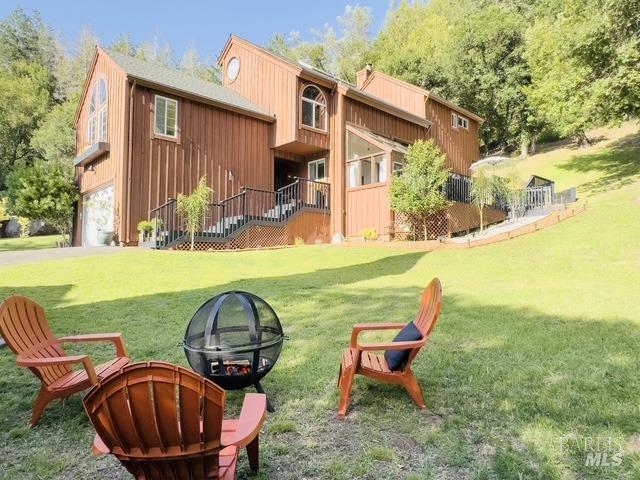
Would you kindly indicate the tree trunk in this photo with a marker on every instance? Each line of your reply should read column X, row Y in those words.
column 424, row 228
column 193, row 233
column 524, row 147
column 583, row 140
column 534, row 146
column 481, row 210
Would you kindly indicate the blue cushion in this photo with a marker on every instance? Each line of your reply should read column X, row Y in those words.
column 397, row 358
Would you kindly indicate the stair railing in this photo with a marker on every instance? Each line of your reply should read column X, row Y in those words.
column 313, row 194
column 165, row 219
column 229, row 215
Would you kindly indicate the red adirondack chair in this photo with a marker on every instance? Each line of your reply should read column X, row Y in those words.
column 360, row 358
column 163, row 421
column 25, row 328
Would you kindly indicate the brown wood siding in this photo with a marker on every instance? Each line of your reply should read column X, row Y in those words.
column 212, row 142
column 265, row 82
column 108, row 169
column 384, row 123
column 397, row 94
column 368, row 207
column 462, row 146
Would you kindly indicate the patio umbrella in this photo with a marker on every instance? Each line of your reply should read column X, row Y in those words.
column 493, row 161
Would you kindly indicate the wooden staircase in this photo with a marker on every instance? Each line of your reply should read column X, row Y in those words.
column 226, row 220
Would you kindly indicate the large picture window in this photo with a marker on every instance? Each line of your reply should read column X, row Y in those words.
column 314, row 108
column 367, row 170
column 98, row 116
column 166, row 121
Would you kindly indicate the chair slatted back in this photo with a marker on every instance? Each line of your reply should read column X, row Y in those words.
column 151, row 416
column 25, row 328
column 428, row 313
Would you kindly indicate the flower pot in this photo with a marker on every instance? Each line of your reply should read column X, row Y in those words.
column 105, row 238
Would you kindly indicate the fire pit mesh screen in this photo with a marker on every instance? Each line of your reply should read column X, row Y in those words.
column 234, row 339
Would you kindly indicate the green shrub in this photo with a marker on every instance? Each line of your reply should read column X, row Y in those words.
column 145, row 227
column 369, row 234
column 156, row 223
column 298, row 241
column 44, row 191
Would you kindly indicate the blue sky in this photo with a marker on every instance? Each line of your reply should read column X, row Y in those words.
column 181, row 22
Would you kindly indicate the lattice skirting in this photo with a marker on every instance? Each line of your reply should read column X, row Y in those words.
column 459, row 217
column 312, row 227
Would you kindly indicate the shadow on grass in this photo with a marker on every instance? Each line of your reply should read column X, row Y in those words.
column 569, row 143
column 619, row 164
column 503, row 385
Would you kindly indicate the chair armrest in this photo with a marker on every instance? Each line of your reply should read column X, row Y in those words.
column 252, row 416
column 68, row 360
column 390, row 345
column 363, row 327
column 99, row 447
column 115, row 338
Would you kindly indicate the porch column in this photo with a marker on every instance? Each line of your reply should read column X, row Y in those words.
column 337, row 166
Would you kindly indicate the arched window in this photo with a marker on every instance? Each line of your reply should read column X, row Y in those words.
column 97, row 125
column 314, row 108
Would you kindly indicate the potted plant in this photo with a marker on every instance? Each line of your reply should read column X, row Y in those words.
column 145, row 231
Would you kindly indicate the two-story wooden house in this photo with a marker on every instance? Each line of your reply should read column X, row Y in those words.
column 290, row 151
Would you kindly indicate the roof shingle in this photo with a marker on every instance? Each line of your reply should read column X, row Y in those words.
column 183, row 82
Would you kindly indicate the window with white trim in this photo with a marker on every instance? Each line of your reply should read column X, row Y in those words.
column 166, row 117
column 367, row 170
column 458, row 121
column 313, row 108
column 397, row 168
column 316, row 169
column 98, row 117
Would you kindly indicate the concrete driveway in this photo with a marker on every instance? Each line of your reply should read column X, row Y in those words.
column 32, row 256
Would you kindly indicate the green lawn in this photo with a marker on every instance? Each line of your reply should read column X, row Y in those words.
column 534, row 359
column 29, row 243
column 612, row 161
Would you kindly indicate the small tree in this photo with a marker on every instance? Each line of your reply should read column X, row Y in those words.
column 194, row 207
column 510, row 187
column 419, row 190
column 484, row 186
column 45, row 191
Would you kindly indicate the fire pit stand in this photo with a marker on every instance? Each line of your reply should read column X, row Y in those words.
column 234, row 340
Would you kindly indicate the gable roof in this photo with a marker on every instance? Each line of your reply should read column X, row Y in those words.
column 422, row 91
column 183, row 83
column 327, row 79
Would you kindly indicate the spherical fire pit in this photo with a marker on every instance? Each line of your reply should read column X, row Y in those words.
column 234, row 339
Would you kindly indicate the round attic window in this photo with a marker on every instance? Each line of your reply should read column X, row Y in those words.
column 233, row 68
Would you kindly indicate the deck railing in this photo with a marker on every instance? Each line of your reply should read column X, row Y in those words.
column 458, row 188
column 222, row 220
column 530, row 201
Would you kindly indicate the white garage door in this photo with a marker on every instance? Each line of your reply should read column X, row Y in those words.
column 97, row 214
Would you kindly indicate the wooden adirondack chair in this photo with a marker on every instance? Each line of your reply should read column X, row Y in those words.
column 25, row 328
column 360, row 358
column 163, row 421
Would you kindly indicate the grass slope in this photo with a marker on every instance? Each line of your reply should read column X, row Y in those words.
column 534, row 359
column 29, row 243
